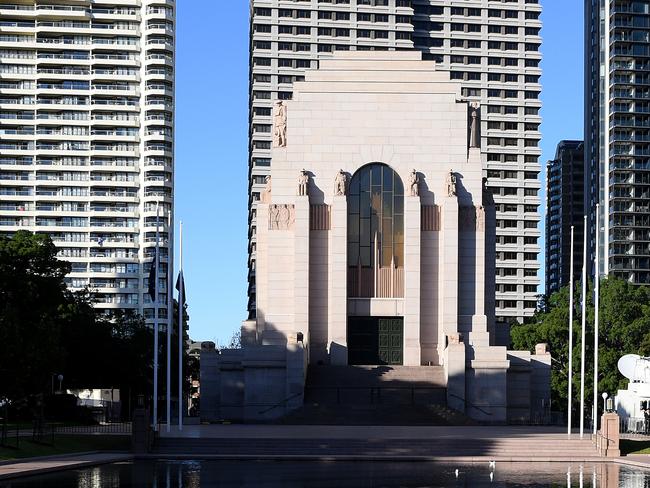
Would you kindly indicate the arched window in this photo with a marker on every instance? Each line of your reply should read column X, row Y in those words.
column 375, row 232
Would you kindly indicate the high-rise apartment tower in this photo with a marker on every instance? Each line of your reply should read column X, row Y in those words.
column 86, row 138
column 492, row 47
column 617, row 135
column 564, row 208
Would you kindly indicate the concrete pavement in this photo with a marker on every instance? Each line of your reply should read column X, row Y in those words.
column 239, row 431
column 28, row 467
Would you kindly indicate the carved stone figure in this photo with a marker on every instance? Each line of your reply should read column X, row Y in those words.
column 451, row 184
column 266, row 193
column 279, row 124
column 303, row 183
column 281, row 217
column 285, row 216
column 455, row 338
column 474, row 141
column 340, row 183
column 414, row 183
column 274, row 217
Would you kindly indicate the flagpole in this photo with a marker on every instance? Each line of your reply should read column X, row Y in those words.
column 570, row 395
column 156, row 346
column 181, row 301
column 169, row 333
column 584, row 327
column 596, row 317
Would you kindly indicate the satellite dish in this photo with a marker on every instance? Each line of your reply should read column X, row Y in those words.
column 627, row 365
column 635, row 368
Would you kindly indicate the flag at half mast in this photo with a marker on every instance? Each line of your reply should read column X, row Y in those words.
column 153, row 276
column 180, row 287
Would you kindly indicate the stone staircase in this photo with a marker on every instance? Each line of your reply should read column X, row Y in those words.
column 376, row 376
column 351, row 414
column 375, row 395
column 466, row 445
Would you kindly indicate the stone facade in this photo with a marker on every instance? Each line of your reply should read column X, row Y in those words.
column 394, row 118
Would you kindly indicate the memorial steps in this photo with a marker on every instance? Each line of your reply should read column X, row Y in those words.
column 467, row 444
column 375, row 395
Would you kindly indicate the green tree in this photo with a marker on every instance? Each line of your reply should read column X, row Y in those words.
column 624, row 328
column 32, row 292
column 45, row 329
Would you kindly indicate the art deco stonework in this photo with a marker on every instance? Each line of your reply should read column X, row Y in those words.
column 353, row 274
column 492, row 48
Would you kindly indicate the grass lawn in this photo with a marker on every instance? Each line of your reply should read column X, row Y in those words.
column 629, row 446
column 64, row 444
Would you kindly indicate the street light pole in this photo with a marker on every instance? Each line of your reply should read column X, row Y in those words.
column 596, row 317
column 570, row 399
column 584, row 327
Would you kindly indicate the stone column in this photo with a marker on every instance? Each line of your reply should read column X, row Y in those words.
column 301, row 267
column 261, row 266
column 448, row 266
column 412, row 246
column 478, row 333
column 338, row 282
column 454, row 363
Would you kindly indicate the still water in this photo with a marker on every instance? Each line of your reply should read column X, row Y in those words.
column 195, row 474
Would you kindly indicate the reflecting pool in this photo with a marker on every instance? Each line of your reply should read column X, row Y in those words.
column 194, row 474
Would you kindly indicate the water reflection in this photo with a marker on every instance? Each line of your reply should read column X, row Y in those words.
column 195, row 474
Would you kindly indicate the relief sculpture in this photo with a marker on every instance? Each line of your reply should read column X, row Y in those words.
column 281, row 217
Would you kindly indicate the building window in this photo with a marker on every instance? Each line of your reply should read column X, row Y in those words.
column 375, row 232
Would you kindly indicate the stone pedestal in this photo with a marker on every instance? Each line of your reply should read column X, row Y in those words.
column 608, row 438
column 141, row 435
column 454, row 364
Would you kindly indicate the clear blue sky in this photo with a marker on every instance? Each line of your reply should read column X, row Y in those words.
column 212, row 138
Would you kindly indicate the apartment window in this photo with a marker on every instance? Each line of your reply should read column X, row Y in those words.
column 262, row 111
column 262, row 95
column 263, row 28
column 262, row 61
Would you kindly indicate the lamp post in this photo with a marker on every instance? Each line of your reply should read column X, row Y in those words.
column 604, row 395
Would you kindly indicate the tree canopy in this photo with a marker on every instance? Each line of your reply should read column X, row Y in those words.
column 624, row 328
column 46, row 330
